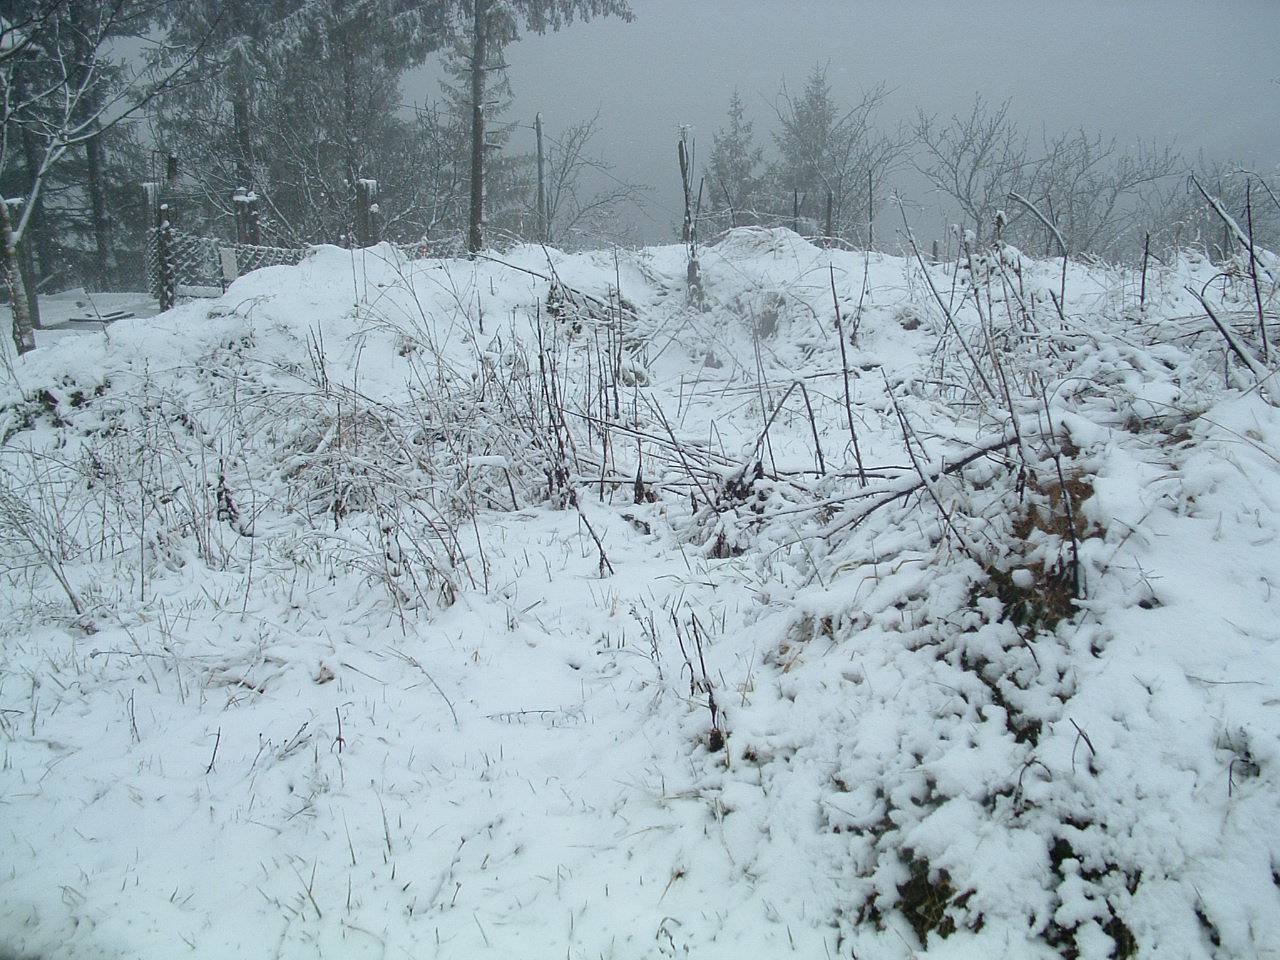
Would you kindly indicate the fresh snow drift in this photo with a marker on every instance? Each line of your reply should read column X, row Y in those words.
column 517, row 608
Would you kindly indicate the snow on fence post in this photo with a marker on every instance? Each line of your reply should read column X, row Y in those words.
column 248, row 219
column 166, row 274
column 367, row 213
column 151, row 202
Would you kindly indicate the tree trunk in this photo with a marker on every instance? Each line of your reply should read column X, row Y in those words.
column 349, row 136
column 81, row 25
column 37, row 233
column 31, row 282
column 544, row 221
column 479, row 58
column 24, row 337
column 240, row 129
column 98, row 205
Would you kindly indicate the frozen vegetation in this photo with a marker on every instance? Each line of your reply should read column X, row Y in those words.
column 539, row 606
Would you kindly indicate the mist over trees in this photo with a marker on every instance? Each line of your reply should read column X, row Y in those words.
column 833, row 166
column 295, row 104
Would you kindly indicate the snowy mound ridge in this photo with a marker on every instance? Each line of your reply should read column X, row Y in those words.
column 539, row 606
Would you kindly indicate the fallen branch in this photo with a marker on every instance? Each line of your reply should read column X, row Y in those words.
column 1260, row 373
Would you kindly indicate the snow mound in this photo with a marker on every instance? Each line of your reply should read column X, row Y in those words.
column 529, row 606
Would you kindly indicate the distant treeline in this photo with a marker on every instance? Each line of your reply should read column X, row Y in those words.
column 299, row 102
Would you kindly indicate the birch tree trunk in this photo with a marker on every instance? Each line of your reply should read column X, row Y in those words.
column 24, row 337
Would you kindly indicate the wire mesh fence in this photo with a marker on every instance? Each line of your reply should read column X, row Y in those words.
column 185, row 265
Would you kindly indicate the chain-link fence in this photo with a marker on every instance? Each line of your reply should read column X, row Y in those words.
column 183, row 265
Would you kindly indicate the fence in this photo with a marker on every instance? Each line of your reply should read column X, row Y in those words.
column 185, row 265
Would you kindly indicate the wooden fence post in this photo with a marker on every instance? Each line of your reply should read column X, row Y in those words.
column 544, row 224
column 367, row 211
column 830, row 226
column 166, row 280
column 248, row 219
column 871, row 211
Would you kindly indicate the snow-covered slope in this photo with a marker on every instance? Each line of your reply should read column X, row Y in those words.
column 407, row 609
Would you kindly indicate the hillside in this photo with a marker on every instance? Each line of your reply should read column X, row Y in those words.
column 387, row 608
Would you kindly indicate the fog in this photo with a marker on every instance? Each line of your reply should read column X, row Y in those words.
column 1201, row 75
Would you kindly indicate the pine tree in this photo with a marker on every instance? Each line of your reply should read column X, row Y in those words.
column 808, row 141
column 300, row 99
column 734, row 176
column 829, row 155
column 507, row 178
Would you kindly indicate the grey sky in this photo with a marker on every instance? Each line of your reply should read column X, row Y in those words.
column 1202, row 73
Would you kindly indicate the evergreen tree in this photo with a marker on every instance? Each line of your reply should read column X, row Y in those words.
column 734, row 170
column 300, row 100
column 830, row 155
column 507, row 178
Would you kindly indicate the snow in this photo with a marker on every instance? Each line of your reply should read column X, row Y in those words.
column 359, row 673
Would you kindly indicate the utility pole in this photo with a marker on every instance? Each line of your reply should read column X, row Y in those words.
column 544, row 221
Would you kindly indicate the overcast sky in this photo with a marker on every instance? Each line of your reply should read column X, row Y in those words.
column 1204, row 74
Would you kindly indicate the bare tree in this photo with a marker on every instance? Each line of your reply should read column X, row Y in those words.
column 80, row 94
column 1088, row 189
column 976, row 160
column 1092, row 190
column 1176, row 215
column 570, row 209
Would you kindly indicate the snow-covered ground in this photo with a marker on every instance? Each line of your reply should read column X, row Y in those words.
column 73, row 312
column 338, row 624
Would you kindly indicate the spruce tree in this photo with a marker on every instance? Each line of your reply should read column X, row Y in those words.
column 734, row 170
column 832, row 154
